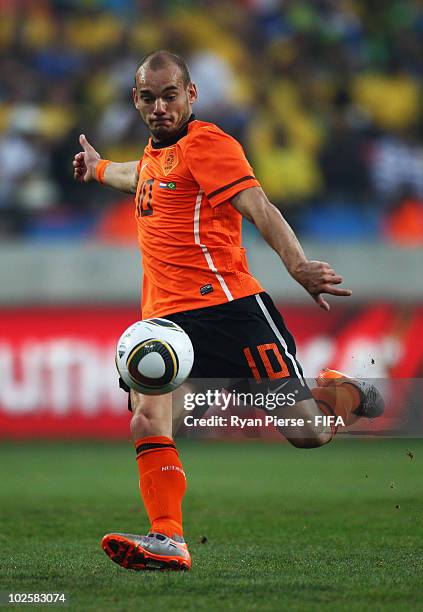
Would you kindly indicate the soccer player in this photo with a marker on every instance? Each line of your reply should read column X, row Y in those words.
column 192, row 187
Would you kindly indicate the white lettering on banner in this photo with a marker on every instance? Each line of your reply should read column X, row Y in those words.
column 60, row 362
column 99, row 381
column 21, row 387
column 60, row 376
column 316, row 354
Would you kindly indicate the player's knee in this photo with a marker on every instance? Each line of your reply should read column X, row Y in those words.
column 150, row 416
column 143, row 425
column 140, row 426
column 314, row 440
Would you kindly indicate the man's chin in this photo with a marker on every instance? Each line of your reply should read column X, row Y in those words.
column 162, row 132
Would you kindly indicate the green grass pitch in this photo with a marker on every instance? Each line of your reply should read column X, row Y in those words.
column 335, row 528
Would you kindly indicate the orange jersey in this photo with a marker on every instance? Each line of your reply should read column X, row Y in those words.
column 188, row 231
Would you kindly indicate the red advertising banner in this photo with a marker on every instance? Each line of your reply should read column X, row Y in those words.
column 58, row 377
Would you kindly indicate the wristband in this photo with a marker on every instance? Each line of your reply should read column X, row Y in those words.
column 100, row 169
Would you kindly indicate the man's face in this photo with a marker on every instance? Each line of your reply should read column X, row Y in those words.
column 162, row 100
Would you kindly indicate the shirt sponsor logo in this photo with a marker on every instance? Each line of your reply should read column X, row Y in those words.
column 170, row 185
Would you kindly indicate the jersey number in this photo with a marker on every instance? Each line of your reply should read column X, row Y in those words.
column 145, row 207
column 264, row 351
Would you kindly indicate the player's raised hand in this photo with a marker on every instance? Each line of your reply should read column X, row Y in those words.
column 317, row 277
column 85, row 162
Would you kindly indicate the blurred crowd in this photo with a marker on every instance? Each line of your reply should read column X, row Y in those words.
column 325, row 95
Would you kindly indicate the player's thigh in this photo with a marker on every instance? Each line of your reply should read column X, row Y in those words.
column 305, row 427
column 183, row 400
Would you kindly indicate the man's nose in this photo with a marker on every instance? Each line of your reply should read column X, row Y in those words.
column 159, row 107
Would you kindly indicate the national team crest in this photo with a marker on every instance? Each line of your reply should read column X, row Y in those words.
column 170, row 160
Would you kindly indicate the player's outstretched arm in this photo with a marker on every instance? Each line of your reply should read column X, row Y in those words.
column 88, row 166
column 317, row 277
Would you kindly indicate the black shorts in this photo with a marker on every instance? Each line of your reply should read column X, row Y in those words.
column 245, row 339
column 242, row 344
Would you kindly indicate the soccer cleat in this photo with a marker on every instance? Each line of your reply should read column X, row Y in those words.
column 154, row 551
column 372, row 404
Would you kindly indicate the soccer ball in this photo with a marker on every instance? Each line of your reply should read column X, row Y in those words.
column 154, row 356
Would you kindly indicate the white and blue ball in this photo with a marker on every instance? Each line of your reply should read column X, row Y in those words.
column 154, row 356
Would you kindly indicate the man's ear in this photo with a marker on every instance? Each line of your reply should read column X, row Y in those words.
column 135, row 98
column 192, row 93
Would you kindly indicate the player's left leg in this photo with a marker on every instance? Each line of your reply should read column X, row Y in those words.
column 162, row 478
column 162, row 484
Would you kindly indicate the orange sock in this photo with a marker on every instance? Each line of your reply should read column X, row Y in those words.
column 339, row 401
column 162, row 483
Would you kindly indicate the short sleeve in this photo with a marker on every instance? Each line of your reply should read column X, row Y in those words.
column 218, row 164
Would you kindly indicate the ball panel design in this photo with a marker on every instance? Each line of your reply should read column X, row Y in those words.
column 152, row 345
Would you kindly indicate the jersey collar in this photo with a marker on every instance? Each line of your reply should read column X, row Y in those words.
column 174, row 139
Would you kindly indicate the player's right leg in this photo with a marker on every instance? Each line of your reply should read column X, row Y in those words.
column 162, row 484
column 272, row 351
column 337, row 399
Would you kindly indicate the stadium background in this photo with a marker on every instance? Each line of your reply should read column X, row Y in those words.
column 326, row 98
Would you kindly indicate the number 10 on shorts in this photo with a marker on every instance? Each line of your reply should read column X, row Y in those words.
column 271, row 358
